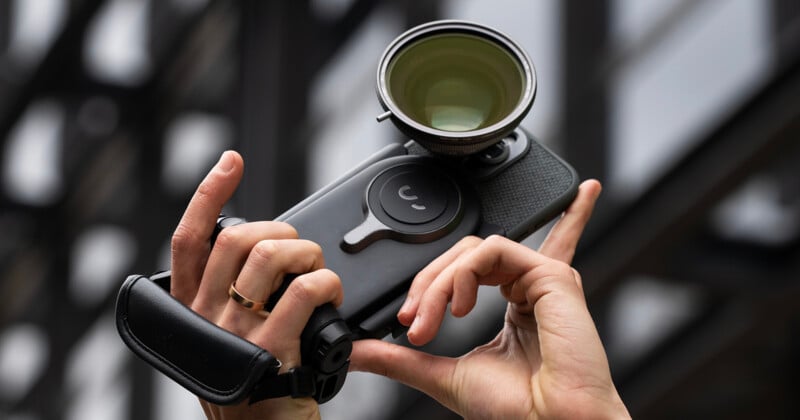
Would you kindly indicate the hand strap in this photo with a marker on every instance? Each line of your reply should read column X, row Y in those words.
column 214, row 364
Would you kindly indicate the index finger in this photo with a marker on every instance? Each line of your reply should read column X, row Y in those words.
column 190, row 242
column 497, row 261
column 563, row 238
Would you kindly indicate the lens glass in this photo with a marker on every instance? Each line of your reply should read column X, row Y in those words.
column 455, row 82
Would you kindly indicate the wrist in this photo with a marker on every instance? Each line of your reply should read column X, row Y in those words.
column 572, row 405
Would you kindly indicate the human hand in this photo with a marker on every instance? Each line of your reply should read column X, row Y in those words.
column 547, row 361
column 256, row 257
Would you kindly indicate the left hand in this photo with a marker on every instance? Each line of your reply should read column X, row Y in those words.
column 256, row 257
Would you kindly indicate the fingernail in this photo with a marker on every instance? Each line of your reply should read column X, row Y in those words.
column 226, row 161
column 411, row 334
column 406, row 305
column 414, row 323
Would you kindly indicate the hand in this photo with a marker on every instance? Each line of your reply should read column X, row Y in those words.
column 548, row 360
column 256, row 256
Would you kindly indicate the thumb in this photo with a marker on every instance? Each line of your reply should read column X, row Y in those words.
column 425, row 372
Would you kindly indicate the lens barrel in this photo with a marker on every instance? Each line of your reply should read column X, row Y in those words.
column 456, row 87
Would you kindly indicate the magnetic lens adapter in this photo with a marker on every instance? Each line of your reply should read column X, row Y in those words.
column 455, row 87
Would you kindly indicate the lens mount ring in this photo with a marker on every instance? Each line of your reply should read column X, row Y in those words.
column 446, row 141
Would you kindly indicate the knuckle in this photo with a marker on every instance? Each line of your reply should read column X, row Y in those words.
column 495, row 241
column 564, row 273
column 318, row 286
column 331, row 281
column 328, row 276
column 470, row 241
column 563, row 269
column 312, row 247
column 184, row 239
column 301, row 289
column 204, row 193
column 264, row 250
column 228, row 237
column 286, row 230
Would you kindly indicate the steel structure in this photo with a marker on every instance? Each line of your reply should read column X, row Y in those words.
column 252, row 62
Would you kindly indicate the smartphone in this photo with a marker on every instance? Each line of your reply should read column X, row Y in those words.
column 459, row 90
column 381, row 223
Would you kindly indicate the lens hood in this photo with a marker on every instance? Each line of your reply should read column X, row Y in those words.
column 456, row 87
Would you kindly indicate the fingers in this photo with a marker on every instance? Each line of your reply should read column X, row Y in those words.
column 563, row 238
column 190, row 241
column 483, row 262
column 270, row 261
column 266, row 265
column 264, row 269
column 455, row 276
column 247, row 254
column 280, row 334
column 524, row 275
column 425, row 277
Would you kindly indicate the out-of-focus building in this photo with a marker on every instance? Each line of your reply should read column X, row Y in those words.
column 688, row 111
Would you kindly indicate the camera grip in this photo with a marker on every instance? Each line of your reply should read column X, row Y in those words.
column 214, row 364
column 325, row 342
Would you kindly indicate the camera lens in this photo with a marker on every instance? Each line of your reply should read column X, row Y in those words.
column 456, row 87
column 455, row 82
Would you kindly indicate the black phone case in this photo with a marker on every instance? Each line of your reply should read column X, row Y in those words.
column 226, row 369
column 514, row 203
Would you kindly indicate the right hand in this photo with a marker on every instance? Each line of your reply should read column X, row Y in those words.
column 546, row 362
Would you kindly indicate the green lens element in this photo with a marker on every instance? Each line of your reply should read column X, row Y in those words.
column 455, row 82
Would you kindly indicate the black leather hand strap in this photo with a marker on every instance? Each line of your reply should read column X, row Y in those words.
column 214, row 364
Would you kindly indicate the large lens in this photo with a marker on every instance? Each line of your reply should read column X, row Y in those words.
column 456, row 87
column 455, row 82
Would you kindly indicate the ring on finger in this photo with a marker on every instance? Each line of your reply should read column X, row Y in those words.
column 255, row 306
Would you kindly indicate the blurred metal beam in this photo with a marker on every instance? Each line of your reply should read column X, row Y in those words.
column 749, row 306
column 785, row 28
column 631, row 238
column 5, row 19
column 417, row 12
column 585, row 119
column 278, row 60
column 330, row 36
column 752, row 288
column 736, row 359
column 733, row 267
column 631, row 49
column 272, row 92
column 14, row 101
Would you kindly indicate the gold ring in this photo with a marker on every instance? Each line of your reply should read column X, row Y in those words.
column 250, row 304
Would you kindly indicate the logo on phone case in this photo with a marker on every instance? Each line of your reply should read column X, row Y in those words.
column 403, row 193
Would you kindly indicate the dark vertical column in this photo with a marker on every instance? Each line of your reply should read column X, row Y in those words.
column 785, row 29
column 13, row 104
column 418, row 12
column 585, row 126
column 6, row 69
column 272, row 96
column 585, row 113
column 5, row 25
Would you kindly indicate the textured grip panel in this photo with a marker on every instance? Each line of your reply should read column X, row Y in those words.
column 539, row 184
column 527, row 194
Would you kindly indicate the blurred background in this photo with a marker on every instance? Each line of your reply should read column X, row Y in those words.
column 111, row 111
